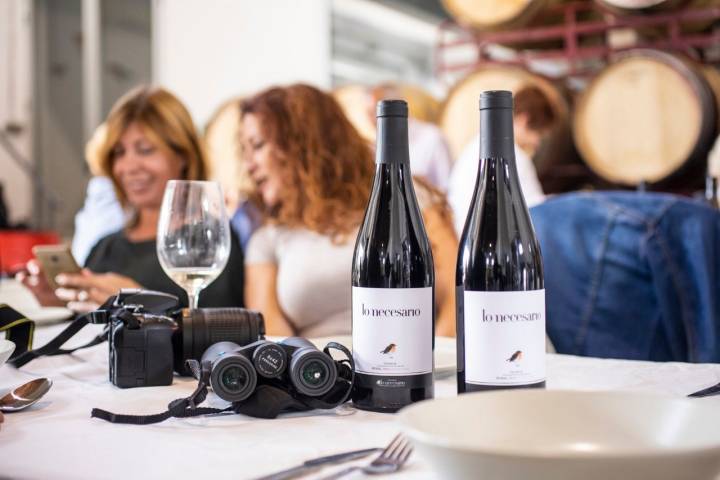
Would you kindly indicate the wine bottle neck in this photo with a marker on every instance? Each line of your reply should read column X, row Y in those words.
column 496, row 133
column 392, row 140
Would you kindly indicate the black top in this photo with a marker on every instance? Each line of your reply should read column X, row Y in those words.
column 139, row 261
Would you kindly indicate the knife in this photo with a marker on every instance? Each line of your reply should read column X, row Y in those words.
column 314, row 464
column 706, row 392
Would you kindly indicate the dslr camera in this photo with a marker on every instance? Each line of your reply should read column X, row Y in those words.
column 294, row 362
column 150, row 336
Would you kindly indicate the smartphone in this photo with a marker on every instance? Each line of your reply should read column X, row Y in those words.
column 55, row 259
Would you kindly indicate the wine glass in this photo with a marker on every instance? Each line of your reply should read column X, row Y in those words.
column 193, row 241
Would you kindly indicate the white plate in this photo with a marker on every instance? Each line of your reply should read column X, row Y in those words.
column 17, row 295
column 22, row 299
column 45, row 315
column 6, row 349
column 563, row 435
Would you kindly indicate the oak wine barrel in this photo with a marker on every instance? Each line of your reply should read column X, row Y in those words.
column 650, row 6
column 712, row 76
column 642, row 7
column 493, row 15
column 647, row 117
column 460, row 119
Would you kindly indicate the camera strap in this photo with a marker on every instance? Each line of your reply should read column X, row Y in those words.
column 53, row 346
column 267, row 401
column 154, row 300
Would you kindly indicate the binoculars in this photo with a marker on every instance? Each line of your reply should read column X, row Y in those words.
column 294, row 362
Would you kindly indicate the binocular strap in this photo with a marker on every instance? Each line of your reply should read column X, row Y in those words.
column 267, row 401
column 180, row 408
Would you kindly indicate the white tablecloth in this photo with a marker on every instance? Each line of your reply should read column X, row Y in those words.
column 57, row 439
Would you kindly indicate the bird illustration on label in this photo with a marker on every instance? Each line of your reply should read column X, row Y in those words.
column 389, row 349
column 515, row 356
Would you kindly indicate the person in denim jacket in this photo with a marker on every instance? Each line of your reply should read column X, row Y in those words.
column 631, row 275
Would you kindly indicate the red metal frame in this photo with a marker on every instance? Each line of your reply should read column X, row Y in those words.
column 571, row 33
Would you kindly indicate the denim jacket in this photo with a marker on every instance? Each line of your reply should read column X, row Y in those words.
column 631, row 275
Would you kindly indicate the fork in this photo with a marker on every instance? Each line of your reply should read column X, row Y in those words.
column 390, row 460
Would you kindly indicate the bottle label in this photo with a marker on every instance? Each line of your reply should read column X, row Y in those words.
column 392, row 330
column 504, row 337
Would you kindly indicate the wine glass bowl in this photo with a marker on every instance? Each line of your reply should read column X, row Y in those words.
column 193, row 242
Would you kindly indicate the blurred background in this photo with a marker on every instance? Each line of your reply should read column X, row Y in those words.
column 634, row 81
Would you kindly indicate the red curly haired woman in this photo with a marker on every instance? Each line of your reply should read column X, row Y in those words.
column 313, row 173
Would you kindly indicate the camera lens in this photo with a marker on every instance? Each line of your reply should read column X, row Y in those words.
column 204, row 327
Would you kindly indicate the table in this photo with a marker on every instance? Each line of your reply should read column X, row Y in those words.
column 57, row 439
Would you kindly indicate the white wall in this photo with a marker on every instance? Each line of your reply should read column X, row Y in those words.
column 16, row 107
column 208, row 51
column 204, row 50
column 59, row 133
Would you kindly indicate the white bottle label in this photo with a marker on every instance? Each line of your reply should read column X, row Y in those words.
column 392, row 330
column 504, row 337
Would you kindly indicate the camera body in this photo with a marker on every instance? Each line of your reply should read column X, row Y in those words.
column 295, row 363
column 150, row 336
column 141, row 352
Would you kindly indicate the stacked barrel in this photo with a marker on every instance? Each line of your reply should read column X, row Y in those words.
column 648, row 117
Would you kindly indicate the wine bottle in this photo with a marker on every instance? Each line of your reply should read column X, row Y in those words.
column 499, row 278
column 393, row 281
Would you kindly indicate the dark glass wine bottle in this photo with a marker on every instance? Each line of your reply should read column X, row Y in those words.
column 499, row 278
column 393, row 281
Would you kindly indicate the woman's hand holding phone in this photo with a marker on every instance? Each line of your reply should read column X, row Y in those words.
column 88, row 289
column 56, row 280
column 34, row 279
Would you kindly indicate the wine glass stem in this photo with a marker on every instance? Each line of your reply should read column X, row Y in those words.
column 193, row 298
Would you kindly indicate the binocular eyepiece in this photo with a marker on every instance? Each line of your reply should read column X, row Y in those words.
column 235, row 369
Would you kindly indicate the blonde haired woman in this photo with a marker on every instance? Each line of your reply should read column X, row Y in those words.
column 313, row 174
column 150, row 138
